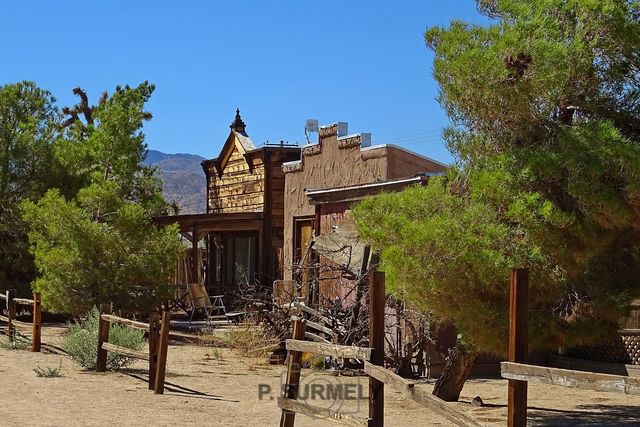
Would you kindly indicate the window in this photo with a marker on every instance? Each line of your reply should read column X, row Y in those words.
column 233, row 259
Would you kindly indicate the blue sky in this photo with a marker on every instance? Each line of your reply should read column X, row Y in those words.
column 363, row 62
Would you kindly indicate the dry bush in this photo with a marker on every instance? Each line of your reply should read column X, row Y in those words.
column 249, row 339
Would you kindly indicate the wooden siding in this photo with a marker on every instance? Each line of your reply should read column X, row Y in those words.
column 239, row 189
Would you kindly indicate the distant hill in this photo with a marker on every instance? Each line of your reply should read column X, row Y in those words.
column 183, row 179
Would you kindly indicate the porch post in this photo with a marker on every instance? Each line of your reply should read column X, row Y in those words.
column 195, row 255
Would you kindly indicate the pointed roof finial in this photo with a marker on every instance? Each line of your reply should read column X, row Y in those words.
column 238, row 125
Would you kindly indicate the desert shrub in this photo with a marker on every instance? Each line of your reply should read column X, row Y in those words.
column 15, row 345
column 81, row 342
column 48, row 372
column 248, row 339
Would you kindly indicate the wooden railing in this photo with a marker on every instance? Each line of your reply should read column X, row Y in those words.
column 158, row 344
column 519, row 373
column 373, row 360
column 36, row 324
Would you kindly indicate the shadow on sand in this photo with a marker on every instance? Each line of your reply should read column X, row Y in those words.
column 592, row 415
column 175, row 389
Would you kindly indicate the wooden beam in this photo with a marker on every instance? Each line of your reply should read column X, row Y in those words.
column 421, row 396
column 295, row 406
column 103, row 337
column 335, row 350
column 319, row 327
column 163, row 348
column 21, row 324
column 154, row 340
column 126, row 351
column 316, row 338
column 11, row 313
column 377, row 304
column 127, row 322
column 292, row 382
column 36, row 339
column 311, row 311
column 570, row 378
column 388, row 377
column 195, row 256
column 518, row 346
column 23, row 301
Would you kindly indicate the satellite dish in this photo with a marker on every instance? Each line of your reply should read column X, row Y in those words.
column 311, row 125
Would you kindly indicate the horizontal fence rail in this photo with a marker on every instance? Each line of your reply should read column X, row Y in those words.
column 158, row 334
column 126, row 322
column 125, row 351
column 570, row 378
column 344, row 351
column 423, row 397
column 36, row 323
column 293, row 405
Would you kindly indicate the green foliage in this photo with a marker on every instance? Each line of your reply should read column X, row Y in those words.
column 101, row 245
column 28, row 167
column 15, row 345
column 81, row 342
column 545, row 130
column 48, row 372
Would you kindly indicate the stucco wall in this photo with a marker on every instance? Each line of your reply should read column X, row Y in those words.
column 338, row 162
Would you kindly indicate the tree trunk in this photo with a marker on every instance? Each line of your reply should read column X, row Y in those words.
column 455, row 373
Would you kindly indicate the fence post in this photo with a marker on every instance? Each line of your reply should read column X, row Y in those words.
column 11, row 313
column 376, row 342
column 37, row 322
column 154, row 338
column 294, row 366
column 518, row 345
column 103, row 336
column 163, row 346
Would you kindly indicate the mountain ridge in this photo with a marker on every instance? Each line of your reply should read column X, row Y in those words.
column 183, row 179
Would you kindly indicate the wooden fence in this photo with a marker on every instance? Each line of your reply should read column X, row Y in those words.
column 519, row 373
column 158, row 344
column 36, row 324
column 378, row 375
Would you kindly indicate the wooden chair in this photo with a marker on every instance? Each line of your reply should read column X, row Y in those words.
column 201, row 302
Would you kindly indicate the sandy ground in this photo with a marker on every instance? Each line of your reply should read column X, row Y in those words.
column 207, row 386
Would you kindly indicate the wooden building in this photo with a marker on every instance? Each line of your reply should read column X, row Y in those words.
column 243, row 228
column 331, row 175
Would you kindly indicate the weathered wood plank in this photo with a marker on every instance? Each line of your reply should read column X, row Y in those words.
column 23, row 301
column 126, row 351
column 392, row 379
column 22, row 324
column 3, row 296
column 316, row 338
column 127, row 322
column 421, row 396
column 103, row 337
column 292, row 382
column 518, row 345
column 376, row 340
column 570, row 378
column 442, row 408
column 326, row 414
column 36, row 333
column 163, row 348
column 319, row 327
column 362, row 353
column 311, row 311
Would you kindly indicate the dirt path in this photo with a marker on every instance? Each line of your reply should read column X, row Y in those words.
column 207, row 386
